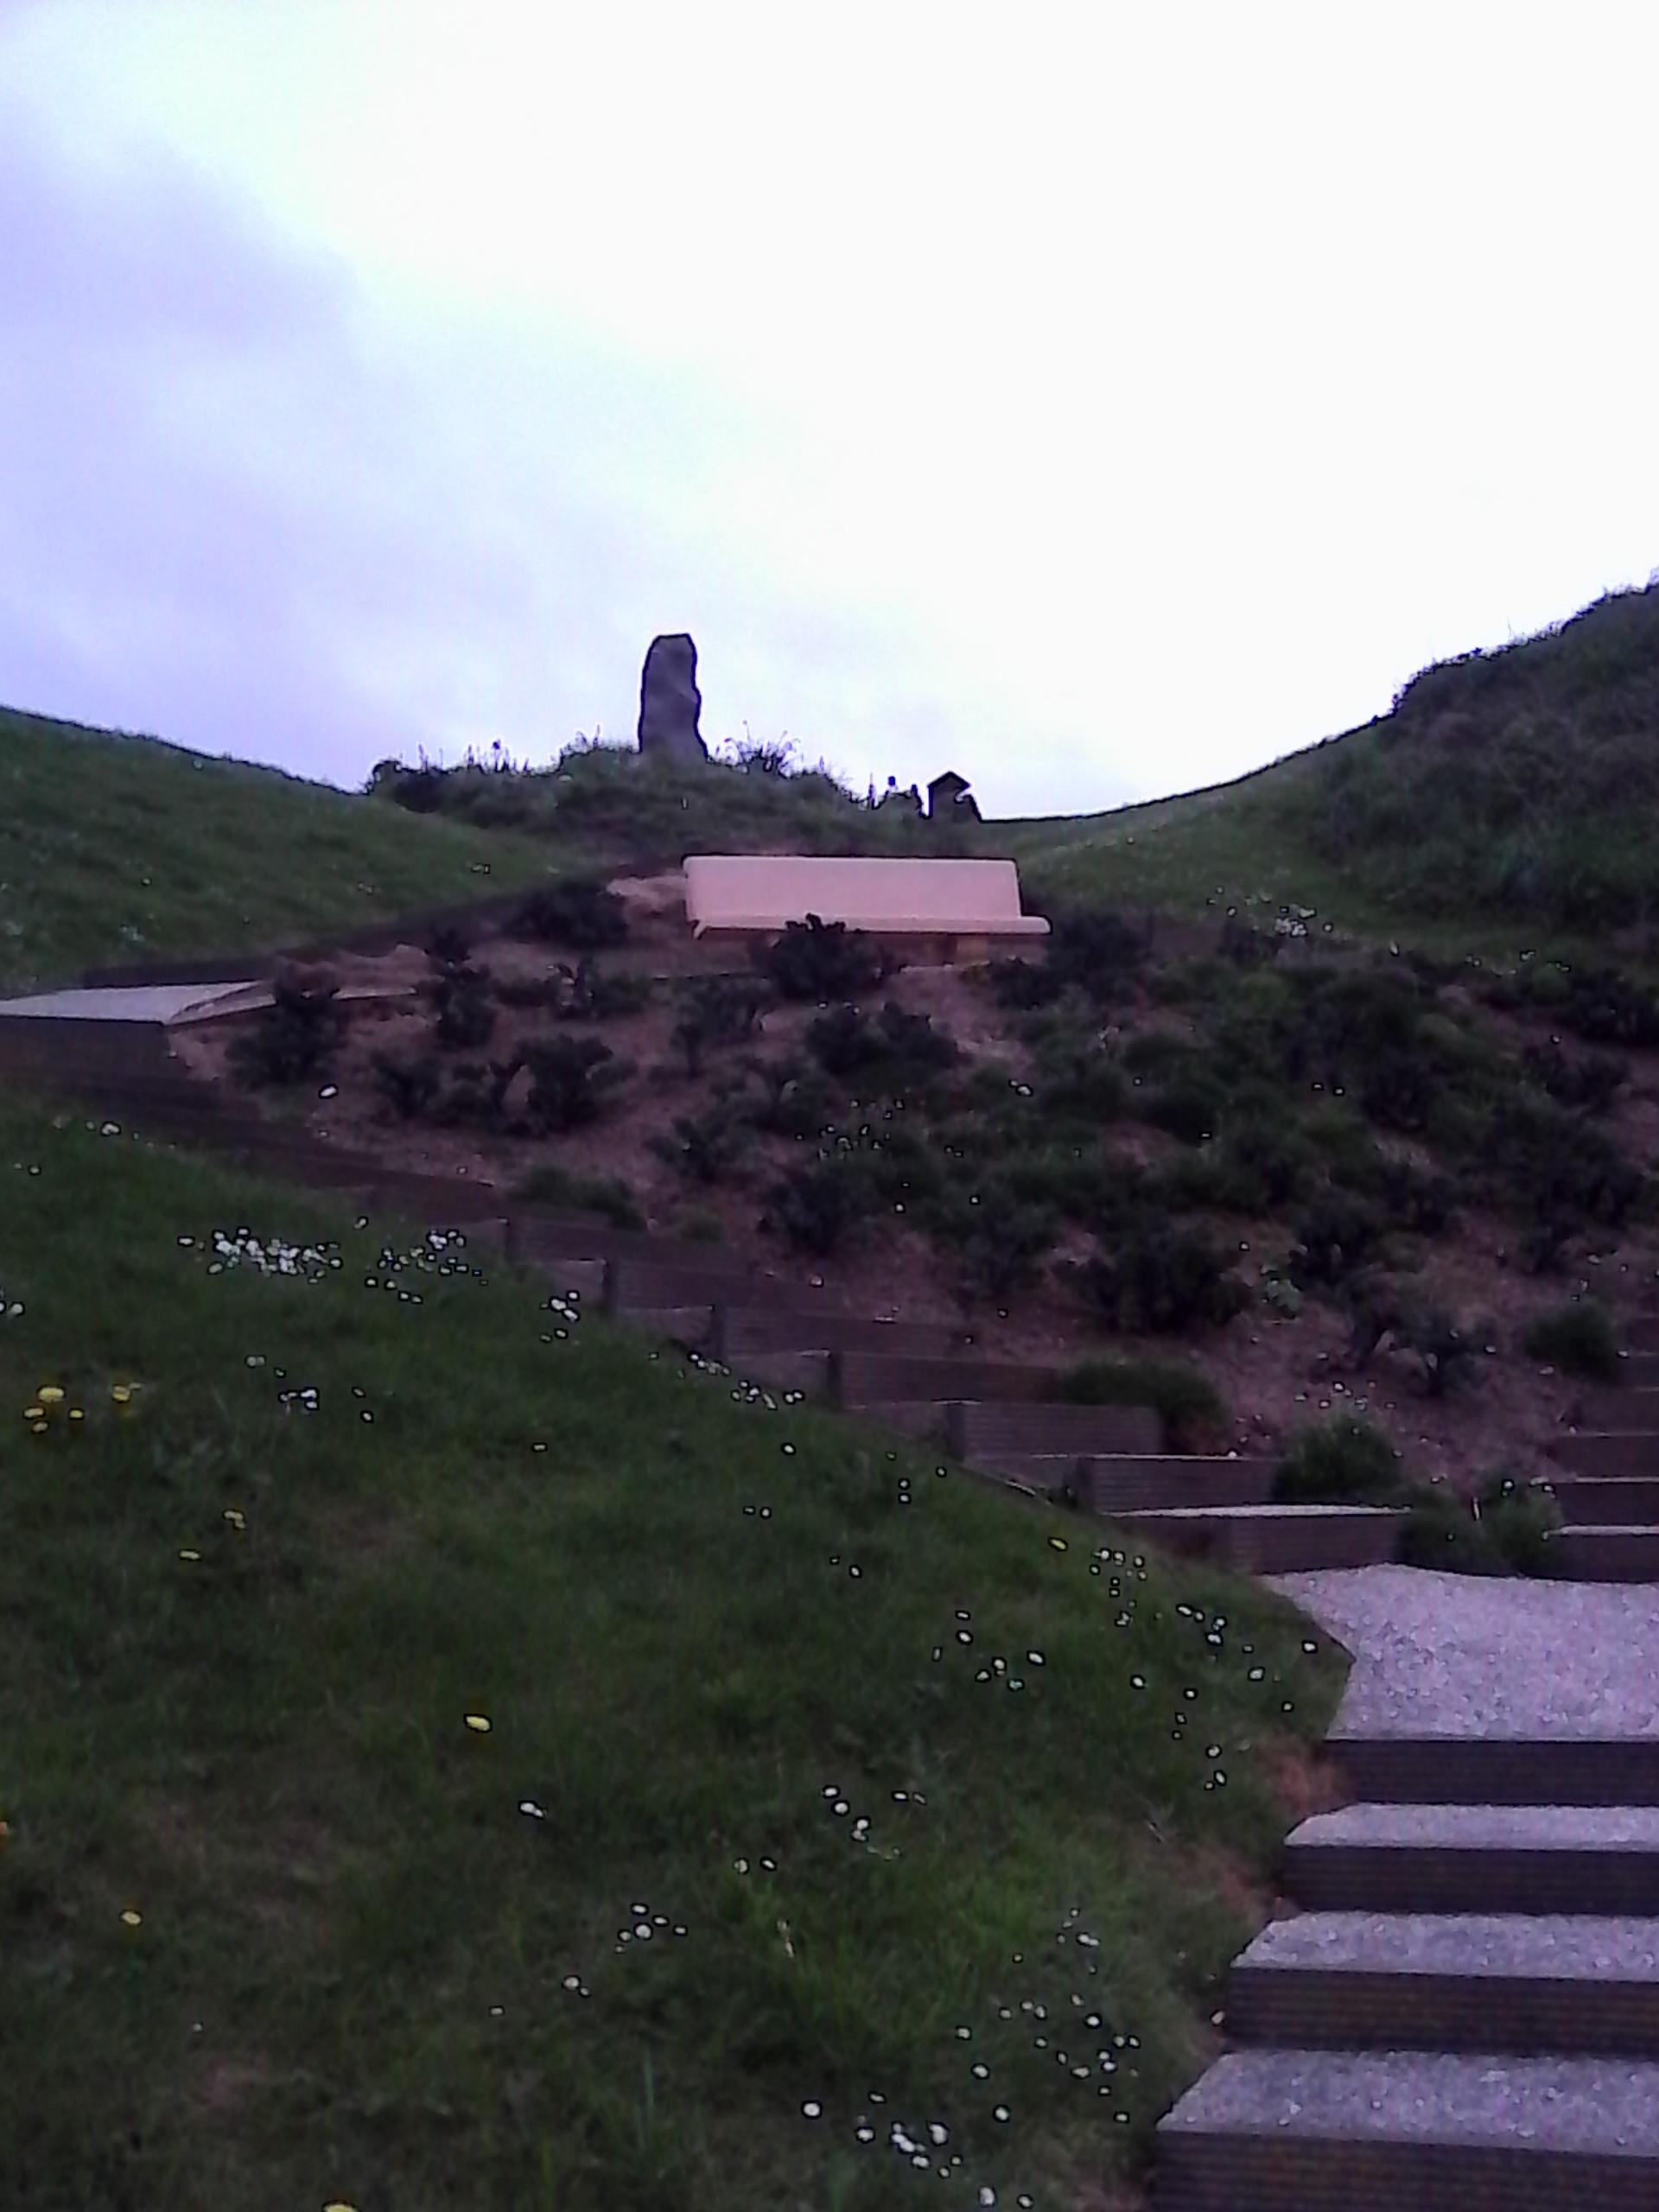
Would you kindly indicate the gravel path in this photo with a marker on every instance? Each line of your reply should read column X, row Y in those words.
column 1463, row 1655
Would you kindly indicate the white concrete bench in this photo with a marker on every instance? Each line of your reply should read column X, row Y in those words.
column 966, row 905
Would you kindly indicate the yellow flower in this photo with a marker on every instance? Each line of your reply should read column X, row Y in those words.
column 76, row 1413
column 188, row 1554
column 478, row 1724
column 51, row 1394
column 1058, row 1543
column 40, row 1429
column 131, row 1918
column 234, row 1517
column 34, row 1413
column 122, row 1393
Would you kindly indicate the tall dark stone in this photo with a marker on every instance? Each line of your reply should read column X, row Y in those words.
column 670, row 702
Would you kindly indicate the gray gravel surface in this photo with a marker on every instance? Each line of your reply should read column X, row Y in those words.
column 1559, row 1947
column 1564, row 2104
column 1470, row 1828
column 1464, row 1654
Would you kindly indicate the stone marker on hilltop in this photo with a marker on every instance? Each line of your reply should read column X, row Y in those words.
column 670, row 702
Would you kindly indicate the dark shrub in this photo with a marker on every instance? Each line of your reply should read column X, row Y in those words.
column 702, row 1146
column 1157, row 1279
column 459, row 998
column 1589, row 1085
column 449, row 946
column 568, row 1078
column 1344, row 1459
column 716, row 1010
column 1338, row 1234
column 788, row 1101
column 1188, row 1106
column 1520, row 1520
column 1194, row 1416
column 1398, row 1090
column 816, row 1205
column 1578, row 1338
column 1421, row 1203
column 1000, row 1239
column 407, row 1082
column 1081, row 1083
column 479, row 1094
column 1447, row 1353
column 1021, row 986
column 815, row 960
column 1554, row 1167
column 525, row 992
column 583, row 914
column 1440, row 1533
column 1098, row 952
column 588, row 993
column 1604, row 1007
column 606, row 1195
column 905, row 1048
column 295, row 1036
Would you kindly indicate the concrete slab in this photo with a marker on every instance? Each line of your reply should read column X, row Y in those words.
column 1558, row 1945
column 1586, row 2105
column 1483, row 1828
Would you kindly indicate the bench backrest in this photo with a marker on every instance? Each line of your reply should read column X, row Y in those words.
column 759, row 889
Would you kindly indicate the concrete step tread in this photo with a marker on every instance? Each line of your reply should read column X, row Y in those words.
column 1483, row 1828
column 1583, row 2105
column 1554, row 1946
column 1265, row 1512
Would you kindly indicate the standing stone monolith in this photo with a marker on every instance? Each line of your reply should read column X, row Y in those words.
column 670, row 702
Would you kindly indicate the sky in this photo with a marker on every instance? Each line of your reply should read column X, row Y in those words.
column 1102, row 401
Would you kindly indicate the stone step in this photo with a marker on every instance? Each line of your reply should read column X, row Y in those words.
column 653, row 1272
column 1639, row 1370
column 1441, row 1858
column 1642, row 1334
column 741, row 1331
column 1309, row 2131
column 1593, row 1451
column 1145, row 1481
column 861, row 1378
column 1606, row 1501
column 1274, row 1538
column 1511, row 1982
column 1606, row 1554
column 1615, row 1411
column 983, row 1433
column 1448, row 1770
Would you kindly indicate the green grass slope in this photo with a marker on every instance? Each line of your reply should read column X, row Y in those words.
column 821, row 1796
column 1508, row 798
column 123, row 848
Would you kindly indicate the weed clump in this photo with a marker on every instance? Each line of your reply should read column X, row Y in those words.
column 583, row 914
column 816, row 960
column 1346, row 1459
column 1578, row 1338
column 1157, row 1279
column 569, row 1079
column 295, row 1036
column 1193, row 1415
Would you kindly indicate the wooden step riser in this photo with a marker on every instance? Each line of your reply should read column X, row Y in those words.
column 1312, row 2009
column 1619, row 1413
column 981, row 1434
column 1284, row 1548
column 585, row 1276
column 1490, row 1770
column 863, row 1379
column 1617, row 1501
column 1139, row 1483
column 807, row 1371
column 741, row 1333
column 1279, row 2172
column 1641, row 1335
column 1360, row 1878
column 685, row 1325
column 1640, row 1371
column 1588, row 1556
column 1590, row 1453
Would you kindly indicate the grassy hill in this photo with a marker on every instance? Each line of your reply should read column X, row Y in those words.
column 820, row 1796
column 123, row 848
column 1508, row 798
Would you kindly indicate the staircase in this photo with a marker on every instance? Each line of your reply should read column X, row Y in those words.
column 1608, row 1490
column 1464, row 2013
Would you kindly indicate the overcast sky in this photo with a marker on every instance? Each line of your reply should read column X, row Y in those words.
column 1101, row 400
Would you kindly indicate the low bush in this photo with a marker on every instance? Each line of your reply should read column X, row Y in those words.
column 1097, row 951
column 1157, row 1278
column 1022, row 985
column 407, row 1082
column 814, row 961
column 702, row 1146
column 589, row 993
column 1412, row 1199
column 583, row 914
column 787, row 1101
column 1586, row 1086
column 1552, row 1167
column 570, row 1078
column 716, row 1010
column 1439, row 1532
column 1346, row 1459
column 460, row 998
column 295, row 1036
column 606, row 1195
column 1520, row 1520
column 815, row 1206
column 905, row 1048
column 1338, row 1234
column 478, row 1096
column 999, row 1239
column 1578, row 1338
column 1080, row 1084
column 1194, row 1418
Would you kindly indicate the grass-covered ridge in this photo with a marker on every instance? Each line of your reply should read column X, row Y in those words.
column 123, row 848
column 731, row 1659
column 1508, row 797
